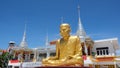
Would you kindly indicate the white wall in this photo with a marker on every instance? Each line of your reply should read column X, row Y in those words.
column 109, row 44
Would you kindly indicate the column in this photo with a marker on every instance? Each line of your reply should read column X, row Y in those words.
column 105, row 52
column 28, row 56
column 102, row 52
column 35, row 55
column 86, row 51
column 38, row 58
column 99, row 52
column 48, row 53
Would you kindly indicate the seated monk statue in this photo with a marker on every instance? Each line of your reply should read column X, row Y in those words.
column 68, row 50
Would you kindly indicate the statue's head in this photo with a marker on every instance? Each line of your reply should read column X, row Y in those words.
column 65, row 29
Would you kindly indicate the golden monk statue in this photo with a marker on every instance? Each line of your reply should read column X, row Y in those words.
column 68, row 50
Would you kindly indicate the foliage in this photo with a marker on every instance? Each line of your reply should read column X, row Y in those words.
column 4, row 58
column 93, row 53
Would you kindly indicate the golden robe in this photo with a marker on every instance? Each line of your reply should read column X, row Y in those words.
column 68, row 52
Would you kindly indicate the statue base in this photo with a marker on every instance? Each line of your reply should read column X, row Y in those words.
column 62, row 67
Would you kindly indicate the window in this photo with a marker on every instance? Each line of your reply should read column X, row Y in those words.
column 52, row 54
column 107, row 52
column 31, row 56
column 16, row 67
column 43, row 55
column 97, row 52
column 102, row 51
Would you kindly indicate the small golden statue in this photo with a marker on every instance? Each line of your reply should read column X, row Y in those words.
column 68, row 50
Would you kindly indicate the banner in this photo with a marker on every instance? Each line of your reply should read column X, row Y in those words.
column 14, row 61
column 31, row 64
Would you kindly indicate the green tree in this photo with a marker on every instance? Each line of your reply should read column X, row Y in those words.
column 4, row 58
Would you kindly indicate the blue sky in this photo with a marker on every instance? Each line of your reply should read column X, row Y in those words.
column 100, row 18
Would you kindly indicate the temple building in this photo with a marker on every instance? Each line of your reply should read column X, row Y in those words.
column 105, row 50
column 20, row 53
column 96, row 53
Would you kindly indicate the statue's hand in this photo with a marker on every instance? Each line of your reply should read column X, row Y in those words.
column 44, row 60
column 69, row 57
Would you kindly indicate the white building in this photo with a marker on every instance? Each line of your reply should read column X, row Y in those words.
column 106, row 47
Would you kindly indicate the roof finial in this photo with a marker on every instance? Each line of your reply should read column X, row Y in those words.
column 79, row 20
column 24, row 36
column 78, row 11
column 46, row 40
column 23, row 42
column 80, row 31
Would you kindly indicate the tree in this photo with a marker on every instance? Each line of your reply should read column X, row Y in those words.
column 4, row 58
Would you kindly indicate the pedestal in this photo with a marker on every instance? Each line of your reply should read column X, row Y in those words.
column 63, row 67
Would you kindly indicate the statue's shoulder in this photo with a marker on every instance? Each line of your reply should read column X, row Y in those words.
column 58, row 41
column 74, row 37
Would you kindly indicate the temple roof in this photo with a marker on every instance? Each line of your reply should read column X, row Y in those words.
column 80, row 31
column 12, row 42
column 24, row 42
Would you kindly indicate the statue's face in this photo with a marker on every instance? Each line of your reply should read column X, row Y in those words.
column 64, row 30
